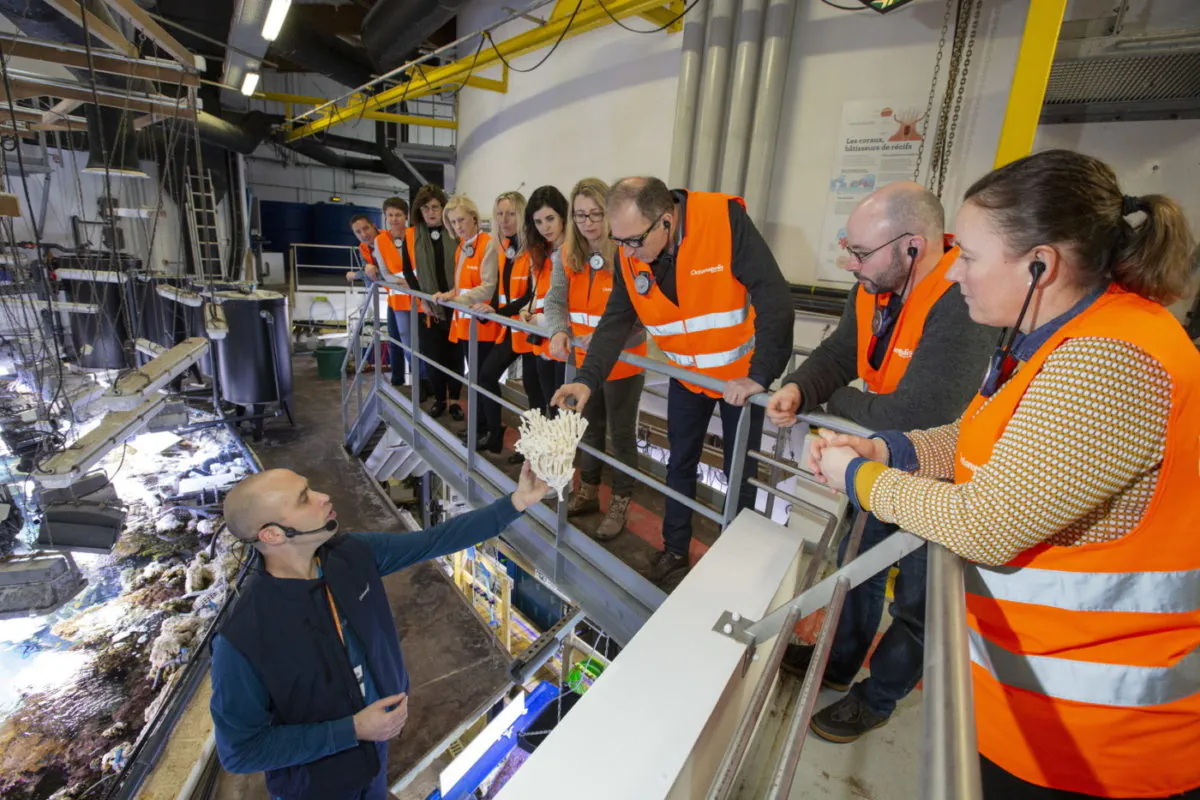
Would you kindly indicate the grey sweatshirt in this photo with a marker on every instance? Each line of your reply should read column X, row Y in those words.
column 944, row 375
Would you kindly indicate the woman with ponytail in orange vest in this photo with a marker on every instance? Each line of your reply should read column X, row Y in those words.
column 579, row 292
column 514, row 291
column 1074, row 477
column 544, row 233
column 475, row 266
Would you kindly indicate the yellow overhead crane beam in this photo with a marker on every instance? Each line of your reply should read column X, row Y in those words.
column 1027, row 94
column 589, row 17
column 380, row 116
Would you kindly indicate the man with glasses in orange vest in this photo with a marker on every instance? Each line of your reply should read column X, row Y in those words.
column 906, row 333
column 699, row 277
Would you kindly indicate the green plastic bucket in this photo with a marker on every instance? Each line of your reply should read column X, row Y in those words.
column 329, row 361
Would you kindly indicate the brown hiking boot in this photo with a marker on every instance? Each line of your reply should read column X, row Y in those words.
column 614, row 519
column 584, row 500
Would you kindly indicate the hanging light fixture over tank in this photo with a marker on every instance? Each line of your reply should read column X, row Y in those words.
column 112, row 129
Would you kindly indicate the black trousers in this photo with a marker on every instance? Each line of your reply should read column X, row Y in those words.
column 551, row 375
column 485, row 350
column 687, row 425
column 436, row 344
column 1001, row 785
column 612, row 414
column 499, row 359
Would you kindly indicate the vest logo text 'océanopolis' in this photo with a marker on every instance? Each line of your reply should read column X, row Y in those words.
column 709, row 270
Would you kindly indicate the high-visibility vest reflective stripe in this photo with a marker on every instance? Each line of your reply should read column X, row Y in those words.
column 467, row 276
column 588, row 292
column 706, row 361
column 906, row 330
column 704, row 322
column 1086, row 659
column 393, row 264
column 711, row 328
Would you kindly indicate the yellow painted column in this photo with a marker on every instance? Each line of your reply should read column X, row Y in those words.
column 1042, row 26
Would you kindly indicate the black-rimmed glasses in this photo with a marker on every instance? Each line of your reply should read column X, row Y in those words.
column 634, row 242
column 861, row 257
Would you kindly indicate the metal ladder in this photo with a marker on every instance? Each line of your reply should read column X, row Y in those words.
column 201, row 203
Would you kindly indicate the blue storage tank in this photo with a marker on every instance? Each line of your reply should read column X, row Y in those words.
column 331, row 225
column 284, row 224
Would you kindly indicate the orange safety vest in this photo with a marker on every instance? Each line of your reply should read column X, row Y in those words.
column 390, row 256
column 906, row 330
column 367, row 256
column 1084, row 659
column 518, row 284
column 541, row 285
column 587, row 296
column 711, row 330
column 467, row 277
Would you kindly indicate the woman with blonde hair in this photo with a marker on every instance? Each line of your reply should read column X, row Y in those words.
column 513, row 293
column 1070, row 486
column 476, row 262
column 579, row 290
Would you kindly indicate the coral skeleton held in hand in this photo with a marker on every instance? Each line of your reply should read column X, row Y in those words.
column 549, row 445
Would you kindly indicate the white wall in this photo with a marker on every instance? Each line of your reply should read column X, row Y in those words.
column 75, row 193
column 604, row 104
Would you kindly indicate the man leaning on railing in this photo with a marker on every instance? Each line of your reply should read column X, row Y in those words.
column 906, row 333
column 697, row 274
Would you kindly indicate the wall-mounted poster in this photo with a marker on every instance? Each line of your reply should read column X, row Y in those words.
column 877, row 145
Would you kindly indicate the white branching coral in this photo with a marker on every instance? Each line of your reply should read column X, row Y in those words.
column 549, row 445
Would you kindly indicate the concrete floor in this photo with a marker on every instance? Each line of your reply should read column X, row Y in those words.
column 454, row 662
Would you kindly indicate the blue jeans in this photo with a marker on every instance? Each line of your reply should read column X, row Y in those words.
column 899, row 660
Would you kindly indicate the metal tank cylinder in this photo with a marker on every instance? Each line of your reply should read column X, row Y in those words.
column 99, row 339
column 254, row 361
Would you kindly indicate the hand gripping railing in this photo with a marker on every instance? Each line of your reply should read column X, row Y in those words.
column 950, row 764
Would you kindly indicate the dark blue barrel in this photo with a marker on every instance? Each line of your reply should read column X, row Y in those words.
column 254, row 361
column 99, row 339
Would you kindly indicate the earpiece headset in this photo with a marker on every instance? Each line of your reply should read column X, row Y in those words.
column 1002, row 364
column 329, row 527
column 882, row 321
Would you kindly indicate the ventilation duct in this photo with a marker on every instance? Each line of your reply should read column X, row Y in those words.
column 392, row 30
column 112, row 145
column 1146, row 77
column 317, row 51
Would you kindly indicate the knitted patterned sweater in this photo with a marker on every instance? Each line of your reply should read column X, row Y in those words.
column 1078, row 462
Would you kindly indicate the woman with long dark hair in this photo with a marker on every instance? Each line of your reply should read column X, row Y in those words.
column 544, row 232
column 1070, row 486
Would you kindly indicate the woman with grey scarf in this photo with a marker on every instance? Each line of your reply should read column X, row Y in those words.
column 434, row 272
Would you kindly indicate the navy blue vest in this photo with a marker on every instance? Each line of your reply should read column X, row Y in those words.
column 285, row 630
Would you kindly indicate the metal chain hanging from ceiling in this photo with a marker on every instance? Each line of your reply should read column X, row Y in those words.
column 966, row 15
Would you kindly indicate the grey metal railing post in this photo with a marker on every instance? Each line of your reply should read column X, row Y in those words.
column 472, row 405
column 950, row 762
column 414, row 365
column 375, row 346
column 737, row 464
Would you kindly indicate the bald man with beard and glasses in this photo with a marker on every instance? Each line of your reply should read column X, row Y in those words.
column 308, row 679
column 906, row 333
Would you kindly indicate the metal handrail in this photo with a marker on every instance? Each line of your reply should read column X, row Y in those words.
column 950, row 764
